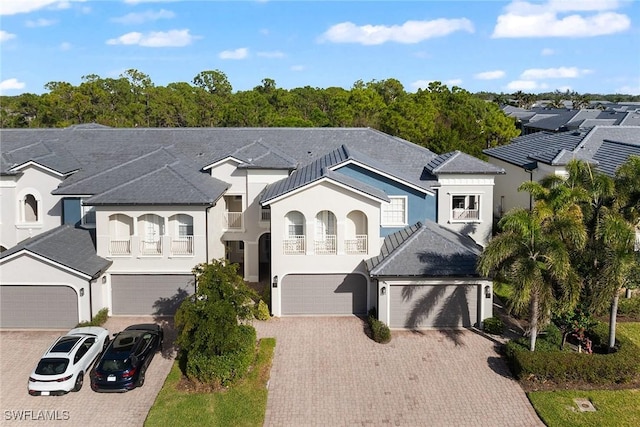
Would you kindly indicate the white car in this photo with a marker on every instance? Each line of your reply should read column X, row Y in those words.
column 61, row 369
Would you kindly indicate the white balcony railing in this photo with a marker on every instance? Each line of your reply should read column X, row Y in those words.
column 325, row 245
column 150, row 247
column 182, row 245
column 234, row 220
column 358, row 245
column 120, row 247
column 465, row 214
column 293, row 245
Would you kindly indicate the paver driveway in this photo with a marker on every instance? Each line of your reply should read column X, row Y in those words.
column 19, row 353
column 327, row 372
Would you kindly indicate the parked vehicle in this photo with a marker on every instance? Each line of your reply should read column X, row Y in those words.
column 62, row 367
column 124, row 363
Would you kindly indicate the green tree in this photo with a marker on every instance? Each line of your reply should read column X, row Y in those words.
column 210, row 324
column 532, row 253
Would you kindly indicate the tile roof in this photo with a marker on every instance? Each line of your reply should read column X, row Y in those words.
column 425, row 250
column 79, row 254
column 457, row 162
column 605, row 146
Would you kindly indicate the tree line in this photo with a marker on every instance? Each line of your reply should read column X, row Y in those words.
column 439, row 118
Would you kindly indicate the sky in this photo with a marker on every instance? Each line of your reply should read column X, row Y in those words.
column 587, row 46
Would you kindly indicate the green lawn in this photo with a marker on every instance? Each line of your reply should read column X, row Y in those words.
column 617, row 408
column 244, row 404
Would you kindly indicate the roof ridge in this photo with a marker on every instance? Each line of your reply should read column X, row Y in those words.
column 412, row 236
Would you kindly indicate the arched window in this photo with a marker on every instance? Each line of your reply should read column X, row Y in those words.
column 120, row 232
column 294, row 239
column 182, row 234
column 356, row 241
column 30, row 209
column 150, row 231
column 325, row 239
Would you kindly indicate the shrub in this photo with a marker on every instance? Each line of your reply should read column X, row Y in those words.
column 629, row 307
column 548, row 363
column 494, row 325
column 262, row 311
column 98, row 320
column 379, row 331
column 222, row 370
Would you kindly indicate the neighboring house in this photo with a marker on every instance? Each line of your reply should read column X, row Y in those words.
column 545, row 119
column 303, row 209
column 532, row 157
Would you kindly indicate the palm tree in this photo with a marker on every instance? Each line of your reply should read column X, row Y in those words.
column 532, row 252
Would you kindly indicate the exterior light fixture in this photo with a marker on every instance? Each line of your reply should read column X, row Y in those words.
column 81, row 292
column 275, row 281
column 487, row 292
column 383, row 290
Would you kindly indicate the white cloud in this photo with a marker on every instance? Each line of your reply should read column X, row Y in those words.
column 453, row 82
column 172, row 38
column 147, row 1
column 298, row 68
column 553, row 73
column 14, row 7
column 65, row 46
column 40, row 23
column 525, row 85
column 275, row 54
column 142, row 17
column 4, row 36
column 409, row 32
column 629, row 90
column 490, row 75
column 239, row 53
column 524, row 19
column 547, row 52
column 424, row 84
column 11, row 84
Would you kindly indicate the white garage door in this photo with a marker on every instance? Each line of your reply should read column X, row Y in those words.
column 23, row 306
column 152, row 294
column 328, row 294
column 433, row 306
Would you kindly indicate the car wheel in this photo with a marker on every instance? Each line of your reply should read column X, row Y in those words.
column 79, row 381
column 140, row 382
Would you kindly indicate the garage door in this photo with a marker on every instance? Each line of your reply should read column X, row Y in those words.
column 153, row 294
column 38, row 307
column 433, row 306
column 328, row 294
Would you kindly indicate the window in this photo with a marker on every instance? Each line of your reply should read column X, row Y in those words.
column 82, row 350
column 30, row 209
column 465, row 207
column 151, row 230
column 295, row 224
column 184, row 225
column 395, row 212
column 325, row 241
column 88, row 216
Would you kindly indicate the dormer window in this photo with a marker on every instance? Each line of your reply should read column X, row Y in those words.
column 465, row 207
column 30, row 209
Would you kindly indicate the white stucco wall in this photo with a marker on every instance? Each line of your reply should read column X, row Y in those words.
column 38, row 182
column 161, row 264
column 45, row 273
column 480, row 229
column 313, row 199
column 505, row 193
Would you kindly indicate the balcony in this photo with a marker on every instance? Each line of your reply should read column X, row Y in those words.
column 234, row 221
column 151, row 247
column 182, row 245
column 265, row 217
column 294, row 245
column 358, row 245
column 325, row 245
column 120, row 247
column 459, row 214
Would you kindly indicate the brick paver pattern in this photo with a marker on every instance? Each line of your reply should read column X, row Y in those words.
column 327, row 372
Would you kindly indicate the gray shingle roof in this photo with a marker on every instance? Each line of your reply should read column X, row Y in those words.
column 457, row 162
column 426, row 250
column 79, row 254
column 605, row 146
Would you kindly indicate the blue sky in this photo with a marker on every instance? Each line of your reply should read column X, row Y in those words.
column 499, row 46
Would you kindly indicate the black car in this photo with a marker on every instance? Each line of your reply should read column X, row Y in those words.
column 123, row 364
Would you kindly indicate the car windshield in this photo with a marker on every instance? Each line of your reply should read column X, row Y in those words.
column 125, row 341
column 64, row 344
column 114, row 365
column 52, row 366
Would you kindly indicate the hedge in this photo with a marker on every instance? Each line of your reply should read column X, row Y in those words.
column 224, row 369
column 621, row 366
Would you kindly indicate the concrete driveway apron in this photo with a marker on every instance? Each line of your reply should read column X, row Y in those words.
column 327, row 372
